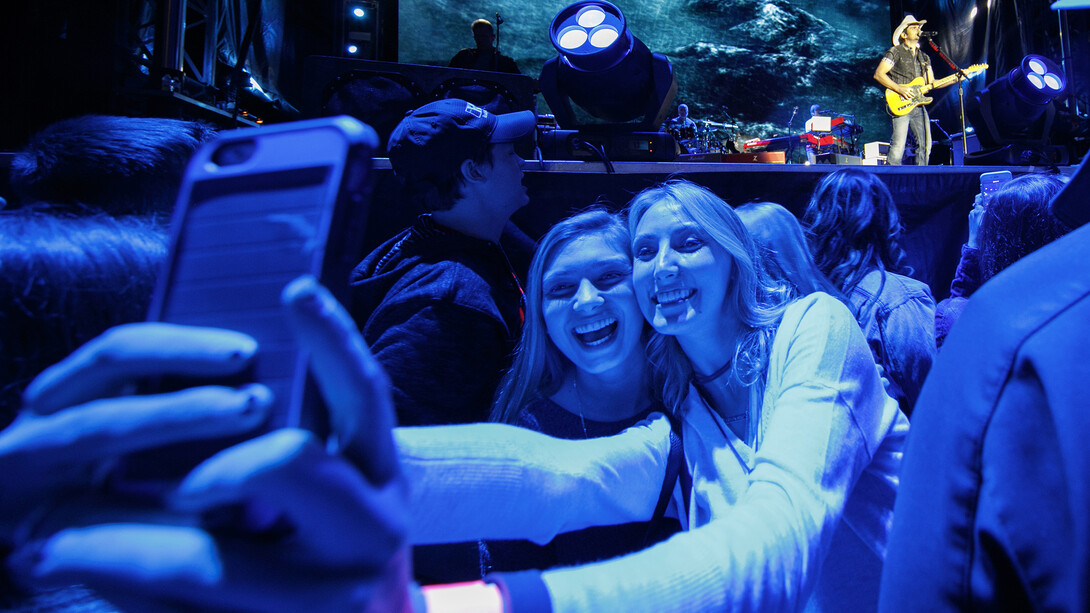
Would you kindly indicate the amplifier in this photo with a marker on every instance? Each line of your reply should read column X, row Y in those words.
column 875, row 149
column 838, row 158
column 617, row 145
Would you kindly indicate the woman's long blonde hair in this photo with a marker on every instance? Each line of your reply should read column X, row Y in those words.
column 757, row 301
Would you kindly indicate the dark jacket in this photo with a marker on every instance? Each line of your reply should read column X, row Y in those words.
column 991, row 514
column 441, row 312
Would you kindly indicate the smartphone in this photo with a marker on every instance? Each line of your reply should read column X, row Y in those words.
column 257, row 208
column 990, row 182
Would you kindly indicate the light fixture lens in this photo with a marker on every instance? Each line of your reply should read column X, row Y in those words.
column 590, row 17
column 1053, row 82
column 572, row 38
column 603, row 37
column 358, row 12
column 353, row 49
column 1037, row 66
column 1036, row 81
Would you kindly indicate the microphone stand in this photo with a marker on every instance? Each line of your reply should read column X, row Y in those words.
column 496, row 51
column 961, row 93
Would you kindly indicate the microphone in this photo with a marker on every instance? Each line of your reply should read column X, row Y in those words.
column 499, row 19
column 928, row 34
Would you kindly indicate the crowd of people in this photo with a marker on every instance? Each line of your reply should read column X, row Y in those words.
column 683, row 406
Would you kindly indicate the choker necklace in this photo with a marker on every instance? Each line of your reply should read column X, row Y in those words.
column 700, row 379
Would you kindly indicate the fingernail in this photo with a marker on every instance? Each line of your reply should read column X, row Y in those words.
column 243, row 353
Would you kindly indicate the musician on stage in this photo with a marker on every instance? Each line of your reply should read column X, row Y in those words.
column 683, row 128
column 904, row 62
column 484, row 56
column 682, row 120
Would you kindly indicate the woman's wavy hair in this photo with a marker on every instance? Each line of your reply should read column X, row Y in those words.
column 757, row 300
column 1017, row 222
column 784, row 249
column 853, row 228
column 539, row 367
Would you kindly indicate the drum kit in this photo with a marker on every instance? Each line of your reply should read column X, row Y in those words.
column 706, row 137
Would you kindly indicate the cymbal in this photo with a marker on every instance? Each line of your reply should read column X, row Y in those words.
column 715, row 124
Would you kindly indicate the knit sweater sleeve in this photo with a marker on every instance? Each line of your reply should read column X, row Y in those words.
column 496, row 481
column 967, row 276
column 826, row 415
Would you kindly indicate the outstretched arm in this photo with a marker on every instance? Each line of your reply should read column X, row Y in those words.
column 497, row 481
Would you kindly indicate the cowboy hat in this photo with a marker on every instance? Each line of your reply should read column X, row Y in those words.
column 909, row 20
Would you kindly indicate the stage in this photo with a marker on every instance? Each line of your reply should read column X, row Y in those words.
column 934, row 201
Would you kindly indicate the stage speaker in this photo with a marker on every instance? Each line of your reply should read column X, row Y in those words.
column 616, row 145
column 381, row 93
column 839, row 158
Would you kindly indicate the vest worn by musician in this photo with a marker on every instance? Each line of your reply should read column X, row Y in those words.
column 906, row 64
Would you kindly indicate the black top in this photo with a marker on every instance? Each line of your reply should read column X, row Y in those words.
column 581, row 546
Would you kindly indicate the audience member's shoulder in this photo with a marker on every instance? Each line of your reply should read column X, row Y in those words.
column 817, row 308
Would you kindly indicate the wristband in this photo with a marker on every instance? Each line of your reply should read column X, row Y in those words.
column 522, row 591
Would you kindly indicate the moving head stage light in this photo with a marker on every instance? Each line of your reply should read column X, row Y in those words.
column 614, row 78
column 1013, row 116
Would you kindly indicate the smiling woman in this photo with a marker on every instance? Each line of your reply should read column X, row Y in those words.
column 579, row 371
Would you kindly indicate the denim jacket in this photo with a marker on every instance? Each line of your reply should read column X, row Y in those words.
column 897, row 314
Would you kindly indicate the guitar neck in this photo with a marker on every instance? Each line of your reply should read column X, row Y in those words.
column 943, row 82
column 968, row 72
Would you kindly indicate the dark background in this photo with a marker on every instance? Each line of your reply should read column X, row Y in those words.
column 750, row 62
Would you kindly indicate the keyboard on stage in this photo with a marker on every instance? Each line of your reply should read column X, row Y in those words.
column 777, row 143
column 835, row 133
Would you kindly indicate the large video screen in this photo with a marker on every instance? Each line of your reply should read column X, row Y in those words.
column 756, row 64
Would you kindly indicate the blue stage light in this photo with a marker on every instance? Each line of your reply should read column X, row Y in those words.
column 1016, row 111
column 1037, row 80
column 358, row 12
column 604, row 70
column 352, row 49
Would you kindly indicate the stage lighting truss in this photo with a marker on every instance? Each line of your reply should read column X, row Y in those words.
column 604, row 70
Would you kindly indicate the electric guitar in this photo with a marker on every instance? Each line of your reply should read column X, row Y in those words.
column 899, row 105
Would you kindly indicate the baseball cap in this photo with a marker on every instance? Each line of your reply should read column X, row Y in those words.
column 433, row 140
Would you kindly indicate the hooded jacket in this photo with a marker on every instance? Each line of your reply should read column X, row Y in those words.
column 441, row 311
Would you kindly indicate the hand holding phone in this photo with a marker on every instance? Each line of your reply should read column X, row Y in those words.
column 257, row 209
column 990, row 182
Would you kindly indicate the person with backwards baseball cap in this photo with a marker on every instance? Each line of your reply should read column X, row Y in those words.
column 439, row 304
